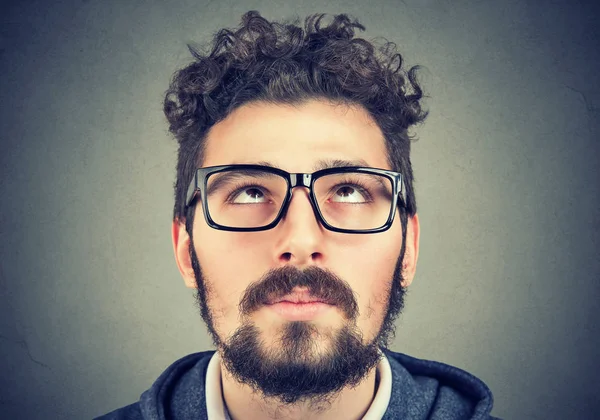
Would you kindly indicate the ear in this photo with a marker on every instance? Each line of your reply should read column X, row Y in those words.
column 181, row 246
column 411, row 253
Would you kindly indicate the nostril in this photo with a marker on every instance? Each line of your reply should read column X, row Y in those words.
column 316, row 256
column 287, row 256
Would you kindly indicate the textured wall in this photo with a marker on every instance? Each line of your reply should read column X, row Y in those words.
column 92, row 307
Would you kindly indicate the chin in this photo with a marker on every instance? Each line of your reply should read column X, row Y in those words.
column 301, row 360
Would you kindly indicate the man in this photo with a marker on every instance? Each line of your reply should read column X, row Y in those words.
column 295, row 219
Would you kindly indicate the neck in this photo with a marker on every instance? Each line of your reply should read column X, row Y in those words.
column 243, row 403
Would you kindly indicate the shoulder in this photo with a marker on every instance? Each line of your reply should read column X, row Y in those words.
column 427, row 386
column 429, row 368
column 190, row 369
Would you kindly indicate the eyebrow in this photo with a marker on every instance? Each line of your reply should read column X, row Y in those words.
column 322, row 164
column 225, row 177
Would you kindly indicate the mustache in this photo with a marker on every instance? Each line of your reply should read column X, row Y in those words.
column 321, row 283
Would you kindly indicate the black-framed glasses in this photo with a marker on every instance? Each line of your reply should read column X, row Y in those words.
column 246, row 198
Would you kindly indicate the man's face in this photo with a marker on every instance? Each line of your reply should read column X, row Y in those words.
column 296, row 139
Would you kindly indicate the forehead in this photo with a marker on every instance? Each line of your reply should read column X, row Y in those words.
column 296, row 138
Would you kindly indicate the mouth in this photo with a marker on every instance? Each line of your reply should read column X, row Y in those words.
column 299, row 306
column 298, row 297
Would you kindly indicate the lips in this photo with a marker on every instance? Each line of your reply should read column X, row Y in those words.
column 299, row 305
column 299, row 297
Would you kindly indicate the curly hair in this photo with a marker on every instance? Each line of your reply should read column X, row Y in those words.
column 283, row 63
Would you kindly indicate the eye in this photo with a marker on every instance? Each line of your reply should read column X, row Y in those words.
column 350, row 194
column 247, row 195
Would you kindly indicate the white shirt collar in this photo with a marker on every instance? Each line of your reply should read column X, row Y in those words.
column 216, row 410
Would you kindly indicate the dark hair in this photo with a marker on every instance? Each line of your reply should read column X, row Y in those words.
column 283, row 63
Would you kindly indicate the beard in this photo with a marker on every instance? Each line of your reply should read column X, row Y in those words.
column 297, row 368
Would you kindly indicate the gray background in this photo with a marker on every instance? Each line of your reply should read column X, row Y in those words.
column 92, row 307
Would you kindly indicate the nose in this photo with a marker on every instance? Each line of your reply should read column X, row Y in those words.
column 300, row 235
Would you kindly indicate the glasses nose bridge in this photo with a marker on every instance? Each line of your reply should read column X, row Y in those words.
column 300, row 180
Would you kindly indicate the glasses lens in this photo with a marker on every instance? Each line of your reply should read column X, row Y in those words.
column 245, row 198
column 251, row 198
column 354, row 200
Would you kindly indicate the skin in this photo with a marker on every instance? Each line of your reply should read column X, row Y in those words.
column 295, row 139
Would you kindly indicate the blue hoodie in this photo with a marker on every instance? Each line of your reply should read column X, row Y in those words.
column 421, row 389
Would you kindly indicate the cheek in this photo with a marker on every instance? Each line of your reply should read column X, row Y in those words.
column 372, row 279
column 229, row 264
column 370, row 274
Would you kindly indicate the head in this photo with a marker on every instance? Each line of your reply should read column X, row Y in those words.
column 297, row 98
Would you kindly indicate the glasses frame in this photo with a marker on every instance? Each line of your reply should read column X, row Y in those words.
column 198, row 185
